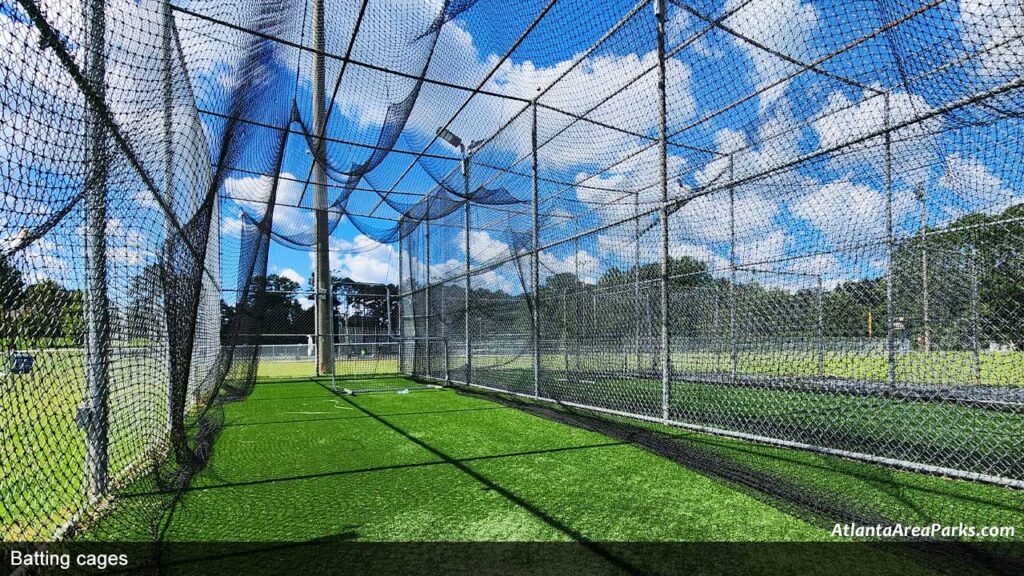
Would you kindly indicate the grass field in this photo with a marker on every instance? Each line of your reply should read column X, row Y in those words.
column 940, row 367
column 943, row 434
column 41, row 478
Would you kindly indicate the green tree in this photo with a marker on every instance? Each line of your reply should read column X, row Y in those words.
column 12, row 288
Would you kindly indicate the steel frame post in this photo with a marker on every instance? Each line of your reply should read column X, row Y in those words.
column 924, row 270
column 975, row 316
column 535, row 260
column 401, row 298
column 638, row 349
column 93, row 415
column 821, row 328
column 427, row 311
column 565, row 335
column 467, row 160
column 666, row 353
column 733, row 351
column 890, row 335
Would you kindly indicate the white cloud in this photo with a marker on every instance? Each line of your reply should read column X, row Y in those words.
column 483, row 247
column 292, row 275
column 846, row 213
column 610, row 195
column 492, row 280
column 231, row 226
column 785, row 26
column 586, row 264
column 995, row 28
column 42, row 260
column 362, row 259
column 768, row 248
column 913, row 148
column 976, row 184
column 253, row 193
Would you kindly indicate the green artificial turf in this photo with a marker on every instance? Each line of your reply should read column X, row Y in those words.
column 295, row 462
column 298, row 463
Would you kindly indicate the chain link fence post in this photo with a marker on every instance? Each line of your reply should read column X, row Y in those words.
column 426, row 296
column 890, row 334
column 733, row 353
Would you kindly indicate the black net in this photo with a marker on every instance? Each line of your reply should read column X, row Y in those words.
column 792, row 222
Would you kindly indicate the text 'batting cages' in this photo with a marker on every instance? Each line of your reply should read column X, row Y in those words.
column 824, row 252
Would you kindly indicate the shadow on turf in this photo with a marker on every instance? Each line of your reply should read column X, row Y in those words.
column 793, row 495
column 616, row 561
column 443, row 462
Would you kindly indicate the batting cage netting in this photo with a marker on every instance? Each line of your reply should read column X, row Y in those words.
column 793, row 222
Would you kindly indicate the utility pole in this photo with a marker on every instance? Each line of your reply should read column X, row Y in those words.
column 322, row 267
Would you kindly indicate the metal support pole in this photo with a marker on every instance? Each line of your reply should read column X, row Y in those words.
column 636, row 283
column 733, row 352
column 577, row 317
column 717, row 331
column 975, row 320
column 890, row 335
column 565, row 336
column 467, row 159
column 387, row 303
column 666, row 354
column 427, row 312
column 167, row 41
column 924, row 269
column 401, row 299
column 444, row 359
column 93, row 413
column 535, row 263
column 322, row 271
column 821, row 329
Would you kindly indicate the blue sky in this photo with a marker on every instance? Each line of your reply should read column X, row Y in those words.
column 726, row 96
column 841, row 199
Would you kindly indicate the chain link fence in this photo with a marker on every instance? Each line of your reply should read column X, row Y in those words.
column 837, row 276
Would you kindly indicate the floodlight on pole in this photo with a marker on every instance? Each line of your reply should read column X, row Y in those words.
column 467, row 157
column 450, row 138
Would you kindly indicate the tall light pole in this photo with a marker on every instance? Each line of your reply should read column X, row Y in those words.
column 467, row 159
column 322, row 266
